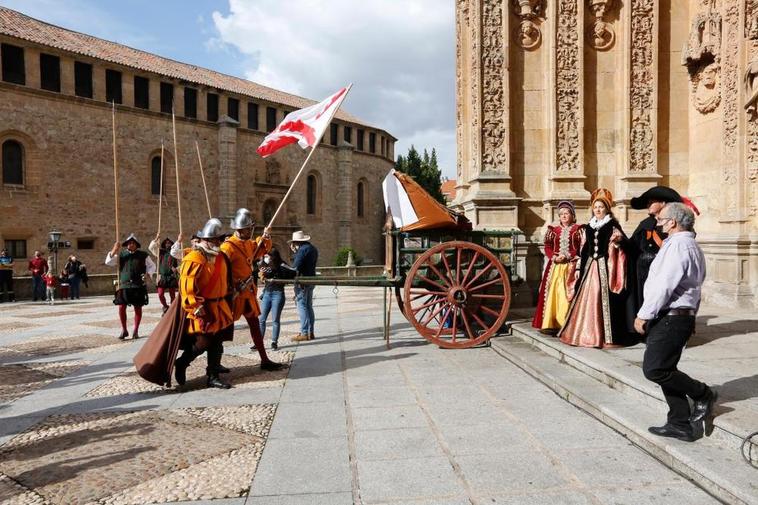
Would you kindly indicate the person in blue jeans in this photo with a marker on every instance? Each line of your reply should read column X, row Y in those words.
column 73, row 267
column 306, row 258
column 272, row 295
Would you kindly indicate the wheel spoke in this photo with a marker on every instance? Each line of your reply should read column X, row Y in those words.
column 428, row 304
column 443, row 288
column 479, row 321
column 442, row 325
column 458, row 267
column 423, row 293
column 493, row 297
column 455, row 322
column 489, row 311
column 470, row 266
column 447, row 266
column 434, row 314
column 471, row 334
column 439, row 275
column 482, row 272
column 488, row 283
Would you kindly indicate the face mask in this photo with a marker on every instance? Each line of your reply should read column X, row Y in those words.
column 266, row 260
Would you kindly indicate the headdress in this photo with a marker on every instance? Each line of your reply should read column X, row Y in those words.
column 656, row 194
column 604, row 195
column 567, row 204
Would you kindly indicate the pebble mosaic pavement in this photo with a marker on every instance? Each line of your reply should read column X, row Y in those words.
column 129, row 456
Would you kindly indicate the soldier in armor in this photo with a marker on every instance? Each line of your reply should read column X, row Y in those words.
column 205, row 291
column 243, row 253
column 133, row 266
column 168, row 278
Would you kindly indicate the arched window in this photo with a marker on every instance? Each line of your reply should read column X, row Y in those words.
column 13, row 163
column 359, row 201
column 312, row 186
column 155, row 176
column 269, row 207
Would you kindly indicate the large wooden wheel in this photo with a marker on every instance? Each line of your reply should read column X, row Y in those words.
column 457, row 294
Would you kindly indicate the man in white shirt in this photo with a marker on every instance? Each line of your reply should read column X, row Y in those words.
column 671, row 301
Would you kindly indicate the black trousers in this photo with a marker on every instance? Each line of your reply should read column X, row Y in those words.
column 212, row 343
column 6, row 285
column 666, row 339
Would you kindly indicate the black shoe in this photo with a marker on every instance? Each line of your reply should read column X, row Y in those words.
column 272, row 366
column 222, row 369
column 180, row 372
column 135, row 336
column 274, row 346
column 123, row 335
column 668, row 430
column 215, row 382
column 165, row 309
column 704, row 407
column 253, row 348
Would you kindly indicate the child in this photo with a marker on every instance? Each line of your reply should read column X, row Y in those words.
column 50, row 282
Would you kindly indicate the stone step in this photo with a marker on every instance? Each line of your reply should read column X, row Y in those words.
column 731, row 426
column 711, row 464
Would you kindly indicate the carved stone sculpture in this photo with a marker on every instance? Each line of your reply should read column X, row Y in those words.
column 706, row 92
column 273, row 171
column 703, row 45
column 751, row 19
column 600, row 35
column 527, row 34
column 751, row 90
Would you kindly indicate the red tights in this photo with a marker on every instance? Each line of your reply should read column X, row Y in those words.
column 255, row 332
column 137, row 317
column 162, row 295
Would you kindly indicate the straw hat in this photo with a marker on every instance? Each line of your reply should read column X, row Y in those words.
column 299, row 236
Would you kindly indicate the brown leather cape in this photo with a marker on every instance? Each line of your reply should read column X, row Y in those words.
column 155, row 360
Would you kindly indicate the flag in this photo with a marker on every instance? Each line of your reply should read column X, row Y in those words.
column 304, row 126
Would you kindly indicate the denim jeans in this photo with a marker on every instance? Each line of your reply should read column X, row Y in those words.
column 272, row 301
column 304, row 302
column 38, row 287
column 75, row 282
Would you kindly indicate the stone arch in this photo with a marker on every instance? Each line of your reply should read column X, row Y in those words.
column 16, row 150
column 361, row 198
column 313, row 193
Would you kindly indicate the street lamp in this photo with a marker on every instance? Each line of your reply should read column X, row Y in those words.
column 55, row 236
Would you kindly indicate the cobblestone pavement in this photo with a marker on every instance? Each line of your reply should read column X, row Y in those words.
column 351, row 422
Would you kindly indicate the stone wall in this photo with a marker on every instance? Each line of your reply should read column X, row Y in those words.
column 558, row 98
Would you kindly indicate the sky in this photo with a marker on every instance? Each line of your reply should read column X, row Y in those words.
column 399, row 54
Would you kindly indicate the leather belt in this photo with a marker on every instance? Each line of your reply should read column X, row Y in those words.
column 680, row 312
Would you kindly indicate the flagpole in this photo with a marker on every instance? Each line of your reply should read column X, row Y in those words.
column 176, row 169
column 300, row 172
column 202, row 176
column 160, row 194
column 115, row 166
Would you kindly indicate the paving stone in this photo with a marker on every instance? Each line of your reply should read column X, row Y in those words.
column 302, row 499
column 485, row 438
column 310, row 420
column 383, row 418
column 383, row 397
column 563, row 497
column 428, row 478
column 507, row 472
column 396, row 444
column 654, row 495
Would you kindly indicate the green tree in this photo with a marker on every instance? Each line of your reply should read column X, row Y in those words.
column 424, row 170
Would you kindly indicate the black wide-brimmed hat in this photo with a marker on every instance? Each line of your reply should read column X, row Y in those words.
column 656, row 194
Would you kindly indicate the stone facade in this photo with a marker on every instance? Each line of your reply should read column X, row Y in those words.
column 556, row 98
column 68, row 178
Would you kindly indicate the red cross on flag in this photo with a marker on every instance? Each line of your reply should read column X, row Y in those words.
column 304, row 126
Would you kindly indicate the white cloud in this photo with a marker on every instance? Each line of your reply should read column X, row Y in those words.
column 400, row 55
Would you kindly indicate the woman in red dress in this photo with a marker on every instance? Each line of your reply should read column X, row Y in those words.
column 562, row 245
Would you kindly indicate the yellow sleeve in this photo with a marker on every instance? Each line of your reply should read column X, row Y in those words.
column 188, row 289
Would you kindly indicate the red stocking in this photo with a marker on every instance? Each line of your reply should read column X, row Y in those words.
column 122, row 316
column 255, row 332
column 172, row 293
column 137, row 318
column 162, row 296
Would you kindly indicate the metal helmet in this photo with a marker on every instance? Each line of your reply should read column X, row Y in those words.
column 131, row 238
column 242, row 220
column 213, row 229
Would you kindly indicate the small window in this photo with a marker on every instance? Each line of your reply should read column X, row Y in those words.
column 347, row 134
column 359, row 205
column 333, row 134
column 252, row 116
column 155, row 176
column 112, row 86
column 311, row 195
column 270, row 119
column 50, row 72
column 190, row 103
column 16, row 249
column 13, row 63
column 85, row 244
column 83, row 79
column 382, row 144
column 13, row 163
column 233, row 108
column 141, row 92
column 360, row 140
column 212, row 107
column 372, row 142
column 167, row 97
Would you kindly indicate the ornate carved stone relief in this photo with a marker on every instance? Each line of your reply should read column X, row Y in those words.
column 461, row 25
column 273, row 171
column 475, row 110
column 600, row 35
column 527, row 34
column 568, row 75
column 751, row 19
column 702, row 57
column 730, row 94
column 642, row 92
column 493, row 73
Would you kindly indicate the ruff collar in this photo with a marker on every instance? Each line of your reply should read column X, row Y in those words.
column 596, row 224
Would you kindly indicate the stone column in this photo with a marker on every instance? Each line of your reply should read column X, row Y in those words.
column 227, row 166
column 567, row 170
column 345, row 190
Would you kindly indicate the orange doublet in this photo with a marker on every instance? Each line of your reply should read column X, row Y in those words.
column 240, row 253
column 204, row 283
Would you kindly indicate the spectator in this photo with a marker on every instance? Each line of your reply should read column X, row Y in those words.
column 50, row 282
column 83, row 275
column 38, row 267
column 306, row 258
column 670, row 303
column 65, row 286
column 73, row 267
column 6, row 276
column 272, row 296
